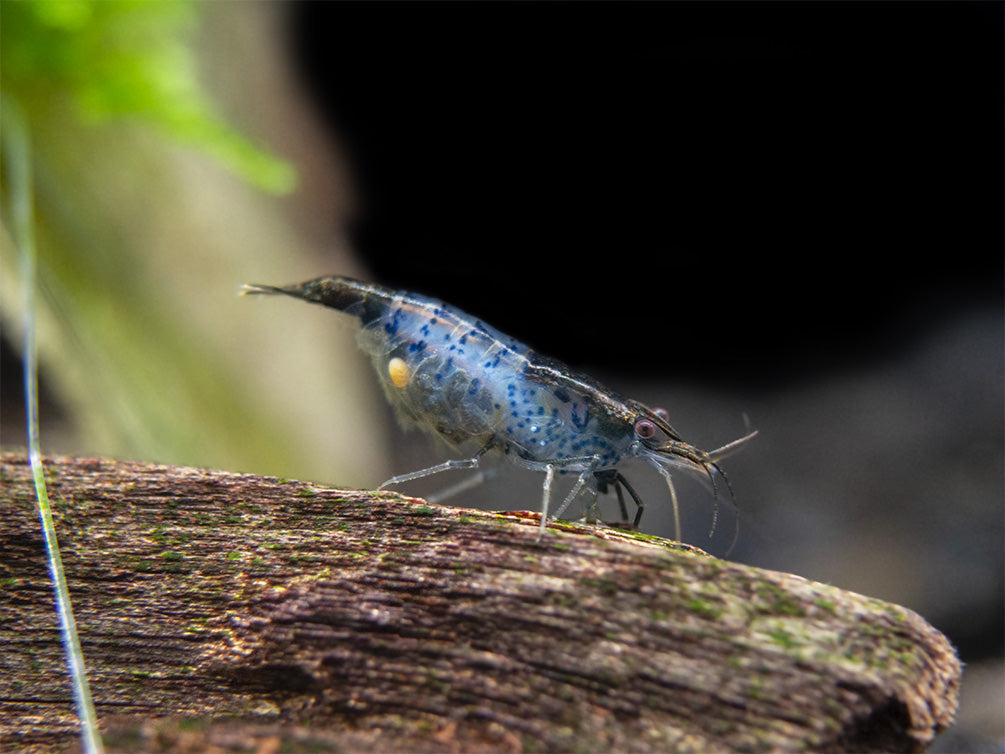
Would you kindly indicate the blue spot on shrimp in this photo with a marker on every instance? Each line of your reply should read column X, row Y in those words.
column 497, row 395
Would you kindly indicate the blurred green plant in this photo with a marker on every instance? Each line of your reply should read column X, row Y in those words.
column 142, row 239
column 113, row 59
column 124, row 58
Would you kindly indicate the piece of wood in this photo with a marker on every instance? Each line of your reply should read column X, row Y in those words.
column 227, row 610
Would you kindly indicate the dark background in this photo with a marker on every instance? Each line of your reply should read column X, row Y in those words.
column 730, row 191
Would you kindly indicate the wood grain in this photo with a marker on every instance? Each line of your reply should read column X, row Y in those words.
column 225, row 610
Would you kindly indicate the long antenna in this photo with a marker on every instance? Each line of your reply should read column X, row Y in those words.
column 19, row 192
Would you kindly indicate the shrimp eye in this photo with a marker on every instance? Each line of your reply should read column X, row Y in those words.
column 662, row 413
column 645, row 429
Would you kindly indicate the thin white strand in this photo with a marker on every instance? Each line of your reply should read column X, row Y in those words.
column 22, row 214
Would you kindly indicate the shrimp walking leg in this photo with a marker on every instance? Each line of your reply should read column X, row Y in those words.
column 584, row 481
column 639, row 505
column 549, row 476
column 614, row 478
column 617, row 480
column 586, row 474
column 465, row 463
column 621, row 503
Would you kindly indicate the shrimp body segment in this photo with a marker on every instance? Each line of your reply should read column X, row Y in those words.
column 456, row 377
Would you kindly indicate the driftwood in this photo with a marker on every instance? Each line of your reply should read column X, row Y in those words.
column 230, row 612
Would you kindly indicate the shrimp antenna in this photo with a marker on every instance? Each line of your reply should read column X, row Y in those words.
column 731, row 447
column 732, row 502
column 713, row 457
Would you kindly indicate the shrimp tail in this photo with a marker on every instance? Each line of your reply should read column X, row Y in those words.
column 334, row 292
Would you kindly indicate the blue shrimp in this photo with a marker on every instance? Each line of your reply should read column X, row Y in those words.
column 454, row 376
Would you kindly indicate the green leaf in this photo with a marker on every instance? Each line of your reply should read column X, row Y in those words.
column 125, row 59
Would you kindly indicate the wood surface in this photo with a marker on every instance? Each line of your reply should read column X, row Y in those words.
column 232, row 612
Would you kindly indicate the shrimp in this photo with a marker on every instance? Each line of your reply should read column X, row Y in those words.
column 458, row 378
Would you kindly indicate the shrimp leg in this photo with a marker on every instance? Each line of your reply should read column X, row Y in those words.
column 621, row 503
column 549, row 468
column 549, row 476
column 616, row 479
column 585, row 476
column 465, row 463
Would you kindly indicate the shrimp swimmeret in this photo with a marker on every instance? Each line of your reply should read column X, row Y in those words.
column 456, row 377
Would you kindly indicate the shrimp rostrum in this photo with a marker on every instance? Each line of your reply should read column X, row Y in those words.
column 456, row 377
